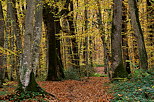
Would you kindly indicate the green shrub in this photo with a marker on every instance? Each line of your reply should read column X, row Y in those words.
column 140, row 88
column 98, row 65
column 86, row 71
column 72, row 74
column 98, row 75
column 75, row 74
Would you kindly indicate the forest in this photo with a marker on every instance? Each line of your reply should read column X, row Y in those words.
column 76, row 51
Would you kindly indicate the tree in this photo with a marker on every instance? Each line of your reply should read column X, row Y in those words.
column 118, row 69
column 72, row 27
column 27, row 78
column 125, row 38
column 37, row 34
column 86, row 52
column 69, row 27
column 55, row 66
column 13, row 31
column 150, row 27
column 100, row 24
column 138, row 33
column 1, row 45
column 18, row 41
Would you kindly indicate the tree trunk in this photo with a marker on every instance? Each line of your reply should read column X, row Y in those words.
column 27, row 79
column 14, row 31
column 68, row 26
column 18, row 42
column 125, row 39
column 55, row 68
column 138, row 33
column 100, row 24
column 150, row 25
column 1, row 45
column 118, row 69
column 10, row 38
column 86, row 43
column 75, row 59
column 37, row 34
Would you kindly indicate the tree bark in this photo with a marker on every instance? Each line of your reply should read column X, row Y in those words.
column 150, row 25
column 75, row 59
column 37, row 34
column 1, row 45
column 86, row 52
column 14, row 31
column 55, row 67
column 118, row 69
column 27, row 79
column 125, row 39
column 138, row 33
column 10, row 38
column 100, row 24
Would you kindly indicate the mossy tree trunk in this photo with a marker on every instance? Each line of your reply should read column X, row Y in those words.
column 27, row 80
column 118, row 69
column 138, row 33
column 1, row 45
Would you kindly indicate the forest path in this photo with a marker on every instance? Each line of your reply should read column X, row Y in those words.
column 99, row 70
column 92, row 89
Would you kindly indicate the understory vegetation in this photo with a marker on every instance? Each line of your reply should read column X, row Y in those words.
column 64, row 91
column 75, row 74
column 139, row 87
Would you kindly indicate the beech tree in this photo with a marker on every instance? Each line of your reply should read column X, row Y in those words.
column 10, row 37
column 118, row 69
column 138, row 34
column 72, row 26
column 102, row 31
column 125, row 38
column 27, row 78
column 13, row 31
column 37, row 34
column 1, row 45
column 55, row 66
column 68, row 26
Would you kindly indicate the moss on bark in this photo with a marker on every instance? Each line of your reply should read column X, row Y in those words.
column 120, row 71
column 33, row 86
column 32, row 90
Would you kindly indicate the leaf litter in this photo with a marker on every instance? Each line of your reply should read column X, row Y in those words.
column 92, row 89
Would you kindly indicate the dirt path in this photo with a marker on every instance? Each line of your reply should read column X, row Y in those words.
column 88, row 90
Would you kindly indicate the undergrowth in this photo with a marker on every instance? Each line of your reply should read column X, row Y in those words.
column 27, row 96
column 98, row 65
column 138, row 88
column 72, row 74
column 75, row 74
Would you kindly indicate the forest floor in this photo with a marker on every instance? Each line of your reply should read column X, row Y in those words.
column 92, row 89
